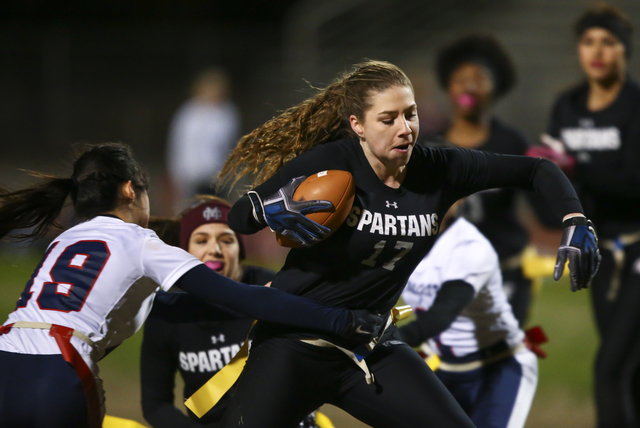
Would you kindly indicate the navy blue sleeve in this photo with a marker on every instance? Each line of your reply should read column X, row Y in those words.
column 185, row 307
column 265, row 303
column 451, row 299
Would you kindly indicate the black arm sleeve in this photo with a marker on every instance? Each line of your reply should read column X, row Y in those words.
column 543, row 211
column 451, row 299
column 185, row 307
column 541, row 207
column 241, row 219
column 471, row 171
column 265, row 303
column 157, row 371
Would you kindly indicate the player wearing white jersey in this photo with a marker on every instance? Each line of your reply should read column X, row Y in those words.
column 463, row 311
column 84, row 298
column 86, row 282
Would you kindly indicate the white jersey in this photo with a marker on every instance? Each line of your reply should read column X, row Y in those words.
column 463, row 253
column 88, row 281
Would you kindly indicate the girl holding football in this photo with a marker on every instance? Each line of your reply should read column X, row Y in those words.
column 366, row 122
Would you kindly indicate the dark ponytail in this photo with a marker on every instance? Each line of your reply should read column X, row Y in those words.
column 93, row 187
column 36, row 206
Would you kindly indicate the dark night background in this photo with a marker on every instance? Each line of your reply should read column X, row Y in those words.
column 75, row 71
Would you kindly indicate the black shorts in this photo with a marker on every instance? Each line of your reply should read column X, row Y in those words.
column 40, row 391
column 285, row 379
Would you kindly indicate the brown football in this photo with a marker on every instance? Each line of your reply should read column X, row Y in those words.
column 335, row 186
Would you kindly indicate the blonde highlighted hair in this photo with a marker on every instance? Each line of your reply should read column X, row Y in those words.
column 317, row 120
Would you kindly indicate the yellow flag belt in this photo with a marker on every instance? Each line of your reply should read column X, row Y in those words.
column 212, row 391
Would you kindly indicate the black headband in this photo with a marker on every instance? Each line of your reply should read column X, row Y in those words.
column 610, row 23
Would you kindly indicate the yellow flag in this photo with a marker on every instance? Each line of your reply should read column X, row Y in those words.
column 115, row 422
column 211, row 392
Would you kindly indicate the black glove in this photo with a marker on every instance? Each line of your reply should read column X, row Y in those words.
column 364, row 327
column 285, row 215
column 580, row 245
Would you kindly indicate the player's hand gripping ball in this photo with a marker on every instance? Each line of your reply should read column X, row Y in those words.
column 306, row 210
column 334, row 186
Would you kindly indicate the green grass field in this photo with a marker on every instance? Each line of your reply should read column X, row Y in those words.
column 564, row 396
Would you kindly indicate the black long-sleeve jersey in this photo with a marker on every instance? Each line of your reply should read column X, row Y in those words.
column 606, row 145
column 197, row 349
column 367, row 261
column 493, row 212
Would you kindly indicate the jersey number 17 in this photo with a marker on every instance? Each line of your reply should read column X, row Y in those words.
column 402, row 246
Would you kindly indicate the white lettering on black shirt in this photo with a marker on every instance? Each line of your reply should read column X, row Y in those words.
column 390, row 225
column 592, row 138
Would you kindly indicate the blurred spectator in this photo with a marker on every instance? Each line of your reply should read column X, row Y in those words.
column 597, row 124
column 475, row 71
column 202, row 132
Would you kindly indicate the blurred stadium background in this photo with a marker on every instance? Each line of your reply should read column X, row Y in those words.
column 89, row 71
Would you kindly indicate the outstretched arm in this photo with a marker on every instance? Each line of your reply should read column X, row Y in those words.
column 272, row 305
column 471, row 171
column 185, row 307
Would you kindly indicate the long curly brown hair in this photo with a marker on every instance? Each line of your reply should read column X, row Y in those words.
column 317, row 120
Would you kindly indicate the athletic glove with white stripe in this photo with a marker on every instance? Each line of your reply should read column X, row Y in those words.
column 285, row 215
column 580, row 246
column 364, row 327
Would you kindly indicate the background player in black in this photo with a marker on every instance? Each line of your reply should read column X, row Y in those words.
column 598, row 123
column 476, row 71
column 402, row 192
column 197, row 349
